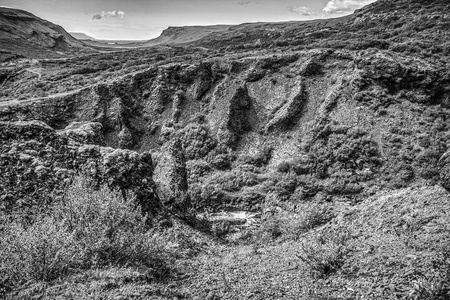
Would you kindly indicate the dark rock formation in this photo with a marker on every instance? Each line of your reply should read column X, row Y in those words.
column 237, row 120
column 171, row 177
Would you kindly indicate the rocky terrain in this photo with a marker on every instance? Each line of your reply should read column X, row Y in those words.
column 332, row 134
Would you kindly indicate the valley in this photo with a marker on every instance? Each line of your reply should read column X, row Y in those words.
column 297, row 160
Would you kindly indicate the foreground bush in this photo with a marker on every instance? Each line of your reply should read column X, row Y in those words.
column 87, row 228
column 325, row 253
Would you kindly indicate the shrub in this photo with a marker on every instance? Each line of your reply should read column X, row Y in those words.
column 284, row 167
column 42, row 251
column 87, row 228
column 325, row 253
column 308, row 217
column 109, row 227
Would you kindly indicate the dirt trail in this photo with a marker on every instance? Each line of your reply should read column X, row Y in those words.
column 31, row 100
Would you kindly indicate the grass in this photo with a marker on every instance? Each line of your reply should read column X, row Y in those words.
column 87, row 229
column 359, row 253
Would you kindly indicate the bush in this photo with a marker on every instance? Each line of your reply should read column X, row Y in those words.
column 325, row 253
column 42, row 251
column 87, row 228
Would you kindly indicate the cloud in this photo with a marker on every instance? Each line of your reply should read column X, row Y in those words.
column 343, row 6
column 117, row 14
column 301, row 10
column 248, row 2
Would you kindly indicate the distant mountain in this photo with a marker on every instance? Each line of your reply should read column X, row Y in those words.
column 22, row 34
column 81, row 36
column 383, row 24
column 186, row 34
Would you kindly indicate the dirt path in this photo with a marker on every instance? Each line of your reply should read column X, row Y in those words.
column 39, row 99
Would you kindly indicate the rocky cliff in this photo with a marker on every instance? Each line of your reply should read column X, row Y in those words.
column 329, row 124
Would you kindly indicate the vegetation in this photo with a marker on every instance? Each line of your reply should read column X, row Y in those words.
column 87, row 229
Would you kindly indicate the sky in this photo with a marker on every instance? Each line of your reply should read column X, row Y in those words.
column 146, row 19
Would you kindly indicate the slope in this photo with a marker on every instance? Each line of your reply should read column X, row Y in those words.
column 24, row 35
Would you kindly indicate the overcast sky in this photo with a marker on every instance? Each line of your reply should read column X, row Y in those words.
column 145, row 19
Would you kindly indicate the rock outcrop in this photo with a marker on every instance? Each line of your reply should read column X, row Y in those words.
column 171, row 177
column 36, row 163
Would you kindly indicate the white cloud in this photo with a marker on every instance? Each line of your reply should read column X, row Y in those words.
column 343, row 6
column 301, row 10
column 118, row 14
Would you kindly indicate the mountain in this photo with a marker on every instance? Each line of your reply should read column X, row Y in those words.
column 397, row 25
column 22, row 34
column 81, row 36
column 187, row 34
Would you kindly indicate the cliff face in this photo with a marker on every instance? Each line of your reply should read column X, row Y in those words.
column 24, row 35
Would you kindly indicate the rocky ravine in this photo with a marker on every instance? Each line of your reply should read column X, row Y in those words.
column 319, row 124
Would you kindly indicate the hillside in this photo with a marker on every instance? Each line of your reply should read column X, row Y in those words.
column 24, row 35
column 183, row 35
column 404, row 25
column 81, row 36
column 300, row 160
